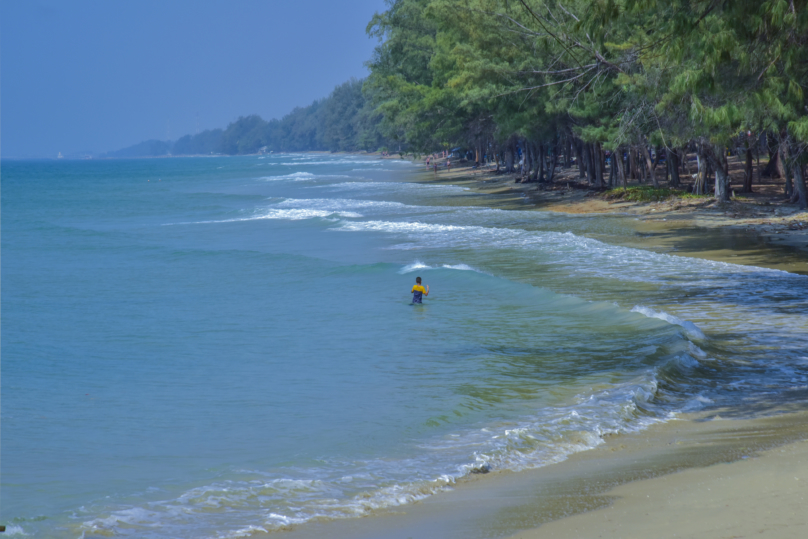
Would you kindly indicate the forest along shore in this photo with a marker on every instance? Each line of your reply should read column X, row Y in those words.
column 759, row 228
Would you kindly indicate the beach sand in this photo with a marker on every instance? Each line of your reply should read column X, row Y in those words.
column 762, row 496
column 699, row 476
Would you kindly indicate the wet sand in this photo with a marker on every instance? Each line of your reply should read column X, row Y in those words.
column 698, row 476
column 760, row 496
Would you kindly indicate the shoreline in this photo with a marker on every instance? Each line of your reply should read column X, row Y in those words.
column 637, row 484
column 756, row 231
column 697, row 469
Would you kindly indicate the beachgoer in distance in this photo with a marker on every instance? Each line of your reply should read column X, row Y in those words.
column 418, row 291
column 448, row 165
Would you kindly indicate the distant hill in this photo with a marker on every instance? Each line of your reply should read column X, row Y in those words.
column 343, row 121
column 147, row 148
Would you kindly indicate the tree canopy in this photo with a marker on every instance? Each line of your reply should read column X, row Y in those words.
column 343, row 121
column 626, row 76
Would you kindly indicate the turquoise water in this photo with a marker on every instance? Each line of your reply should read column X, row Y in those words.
column 210, row 347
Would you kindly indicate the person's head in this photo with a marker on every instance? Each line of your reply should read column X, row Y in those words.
column 418, row 280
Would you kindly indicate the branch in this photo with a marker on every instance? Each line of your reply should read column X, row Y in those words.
column 548, row 31
column 546, row 85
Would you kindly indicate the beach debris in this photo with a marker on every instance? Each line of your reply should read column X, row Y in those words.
column 481, row 469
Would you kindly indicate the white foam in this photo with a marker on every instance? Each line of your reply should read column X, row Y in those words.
column 283, row 214
column 550, row 435
column 461, row 267
column 691, row 328
column 696, row 351
column 334, row 162
column 14, row 530
column 686, row 361
column 697, row 403
column 244, row 532
column 295, row 176
column 395, row 186
column 341, row 204
column 406, row 227
column 417, row 265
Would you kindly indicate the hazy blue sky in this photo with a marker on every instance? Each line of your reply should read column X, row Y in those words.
column 101, row 75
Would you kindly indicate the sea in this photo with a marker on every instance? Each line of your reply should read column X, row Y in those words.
column 215, row 347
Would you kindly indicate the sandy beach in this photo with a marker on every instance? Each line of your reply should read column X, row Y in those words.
column 761, row 496
column 701, row 476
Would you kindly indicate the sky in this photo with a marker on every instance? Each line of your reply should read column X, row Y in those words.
column 93, row 76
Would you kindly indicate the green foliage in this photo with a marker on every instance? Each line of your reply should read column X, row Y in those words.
column 615, row 72
column 643, row 194
column 343, row 121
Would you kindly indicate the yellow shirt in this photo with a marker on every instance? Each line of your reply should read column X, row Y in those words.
column 419, row 288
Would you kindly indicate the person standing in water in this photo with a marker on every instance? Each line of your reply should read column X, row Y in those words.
column 418, row 291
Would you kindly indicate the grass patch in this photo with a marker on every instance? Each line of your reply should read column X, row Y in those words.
column 642, row 193
column 647, row 193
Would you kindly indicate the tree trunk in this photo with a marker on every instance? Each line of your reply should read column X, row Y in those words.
column 567, row 150
column 632, row 163
column 551, row 168
column 800, row 195
column 598, row 157
column 528, row 160
column 508, row 160
column 685, row 162
column 583, row 164
column 590, row 164
column 717, row 159
column 617, row 161
column 579, row 158
column 701, row 172
column 621, row 167
column 540, row 163
column 747, row 180
column 667, row 167
column 673, row 158
column 650, row 164
column 788, row 188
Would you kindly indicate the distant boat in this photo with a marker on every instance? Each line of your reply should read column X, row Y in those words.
column 60, row 156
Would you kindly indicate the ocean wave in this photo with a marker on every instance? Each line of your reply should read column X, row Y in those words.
column 418, row 265
column 394, row 186
column 283, row 214
column 334, row 162
column 339, row 490
column 415, row 266
column 293, row 176
column 342, row 204
column 691, row 328
column 301, row 176
column 461, row 267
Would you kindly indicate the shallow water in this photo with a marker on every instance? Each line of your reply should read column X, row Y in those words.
column 214, row 346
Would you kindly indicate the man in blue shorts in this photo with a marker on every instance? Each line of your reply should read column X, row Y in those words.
column 418, row 291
